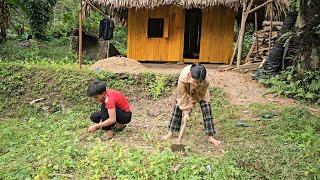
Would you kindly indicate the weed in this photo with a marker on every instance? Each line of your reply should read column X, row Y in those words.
column 305, row 88
column 157, row 84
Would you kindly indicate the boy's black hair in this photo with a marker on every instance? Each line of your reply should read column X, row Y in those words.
column 198, row 72
column 96, row 88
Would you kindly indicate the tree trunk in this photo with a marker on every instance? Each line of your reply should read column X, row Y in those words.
column 273, row 64
column 4, row 19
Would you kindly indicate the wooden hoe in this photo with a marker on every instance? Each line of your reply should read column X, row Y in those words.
column 178, row 146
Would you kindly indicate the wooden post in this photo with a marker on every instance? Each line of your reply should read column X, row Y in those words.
column 234, row 51
column 241, row 33
column 80, row 37
column 249, row 53
column 256, row 30
column 108, row 48
column 245, row 13
column 270, row 32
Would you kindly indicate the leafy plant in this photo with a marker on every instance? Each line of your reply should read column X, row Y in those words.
column 157, row 84
column 288, row 84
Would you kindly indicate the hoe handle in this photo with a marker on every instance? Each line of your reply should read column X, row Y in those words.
column 185, row 118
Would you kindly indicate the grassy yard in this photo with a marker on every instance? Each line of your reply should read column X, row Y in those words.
column 270, row 142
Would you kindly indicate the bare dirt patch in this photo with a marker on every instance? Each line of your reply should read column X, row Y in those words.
column 149, row 124
column 242, row 90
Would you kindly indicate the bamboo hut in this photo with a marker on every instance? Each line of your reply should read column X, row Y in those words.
column 178, row 30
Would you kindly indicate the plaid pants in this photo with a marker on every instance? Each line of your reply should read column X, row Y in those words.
column 176, row 118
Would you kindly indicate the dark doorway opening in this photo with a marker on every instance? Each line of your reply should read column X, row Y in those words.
column 192, row 33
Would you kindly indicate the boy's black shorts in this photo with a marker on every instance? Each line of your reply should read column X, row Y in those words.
column 122, row 117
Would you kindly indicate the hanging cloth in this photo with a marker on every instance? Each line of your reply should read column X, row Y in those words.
column 106, row 29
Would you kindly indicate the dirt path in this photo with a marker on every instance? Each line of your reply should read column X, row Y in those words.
column 239, row 88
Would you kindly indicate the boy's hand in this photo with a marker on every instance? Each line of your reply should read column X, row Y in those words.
column 93, row 128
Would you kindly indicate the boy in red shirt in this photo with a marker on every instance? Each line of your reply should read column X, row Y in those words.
column 115, row 110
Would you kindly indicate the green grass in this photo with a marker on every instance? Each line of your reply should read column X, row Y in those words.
column 283, row 144
column 49, row 146
column 63, row 84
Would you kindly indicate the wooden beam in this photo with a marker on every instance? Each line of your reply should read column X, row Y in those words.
column 250, row 52
column 94, row 7
column 261, row 6
column 242, row 29
column 256, row 30
column 274, row 23
column 234, row 51
column 270, row 32
column 241, row 33
column 80, row 36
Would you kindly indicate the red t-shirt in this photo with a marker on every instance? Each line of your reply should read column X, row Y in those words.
column 116, row 98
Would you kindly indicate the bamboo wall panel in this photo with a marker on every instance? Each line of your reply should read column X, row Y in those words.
column 168, row 48
column 217, row 35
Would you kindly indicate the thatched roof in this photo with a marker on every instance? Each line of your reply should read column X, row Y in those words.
column 278, row 7
column 150, row 4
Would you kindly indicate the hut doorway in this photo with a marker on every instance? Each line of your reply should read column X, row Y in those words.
column 192, row 33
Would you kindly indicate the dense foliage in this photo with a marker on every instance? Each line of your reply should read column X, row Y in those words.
column 302, row 47
column 39, row 12
column 306, row 87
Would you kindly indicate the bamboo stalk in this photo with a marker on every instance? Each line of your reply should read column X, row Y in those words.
column 234, row 52
column 270, row 32
column 256, row 29
column 250, row 52
column 242, row 29
column 80, row 36
column 97, row 9
column 261, row 6
column 108, row 48
column 241, row 33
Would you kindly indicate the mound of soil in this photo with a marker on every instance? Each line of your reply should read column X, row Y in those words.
column 119, row 65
